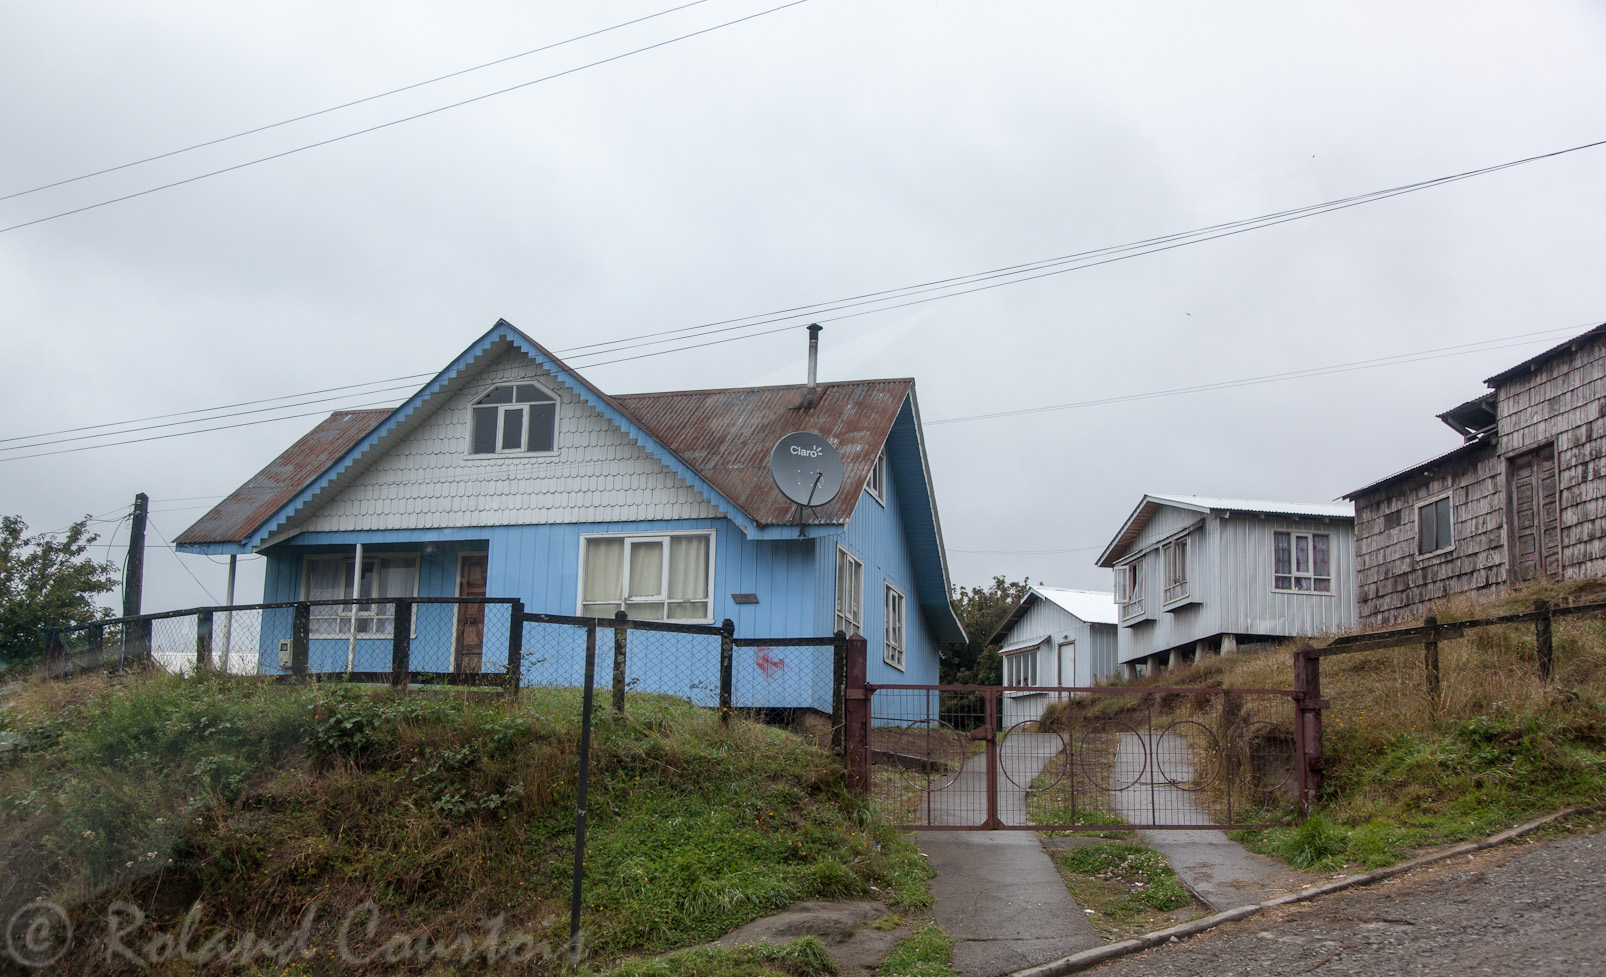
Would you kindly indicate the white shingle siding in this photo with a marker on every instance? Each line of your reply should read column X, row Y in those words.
column 429, row 480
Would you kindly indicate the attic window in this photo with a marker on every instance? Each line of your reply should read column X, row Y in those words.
column 876, row 484
column 516, row 418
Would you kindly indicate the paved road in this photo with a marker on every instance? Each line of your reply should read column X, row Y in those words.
column 1534, row 911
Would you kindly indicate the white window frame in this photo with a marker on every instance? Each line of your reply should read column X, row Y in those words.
column 1416, row 528
column 354, row 612
column 1022, row 661
column 1293, row 563
column 893, row 640
column 662, row 536
column 1174, row 588
column 876, row 484
column 501, row 421
column 1129, row 588
column 842, row 620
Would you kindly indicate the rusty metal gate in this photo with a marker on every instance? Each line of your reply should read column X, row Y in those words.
column 958, row 757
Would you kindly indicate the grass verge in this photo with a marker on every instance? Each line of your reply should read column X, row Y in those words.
column 261, row 802
column 1129, row 887
column 928, row 952
column 1407, row 770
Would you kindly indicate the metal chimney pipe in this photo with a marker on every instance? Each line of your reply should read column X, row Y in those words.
column 814, row 354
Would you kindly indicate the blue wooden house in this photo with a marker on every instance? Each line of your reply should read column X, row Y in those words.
column 511, row 475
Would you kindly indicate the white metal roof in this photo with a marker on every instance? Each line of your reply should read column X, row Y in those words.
column 1092, row 606
column 1338, row 509
column 1023, row 645
column 1152, row 502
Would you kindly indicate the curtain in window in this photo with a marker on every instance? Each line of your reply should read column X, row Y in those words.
column 646, row 569
column 605, row 565
column 688, row 577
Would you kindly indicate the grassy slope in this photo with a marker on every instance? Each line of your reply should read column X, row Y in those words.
column 258, row 800
column 1405, row 771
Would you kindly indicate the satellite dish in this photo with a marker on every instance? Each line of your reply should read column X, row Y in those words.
column 806, row 469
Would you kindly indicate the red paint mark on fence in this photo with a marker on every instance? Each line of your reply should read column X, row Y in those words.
column 767, row 664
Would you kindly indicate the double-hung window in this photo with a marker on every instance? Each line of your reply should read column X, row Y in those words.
column 1174, row 563
column 333, row 578
column 1433, row 530
column 649, row 577
column 849, row 593
column 1021, row 668
column 1129, row 589
column 1302, row 562
column 519, row 417
column 892, row 651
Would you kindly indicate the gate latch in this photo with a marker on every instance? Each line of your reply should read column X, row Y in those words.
column 982, row 733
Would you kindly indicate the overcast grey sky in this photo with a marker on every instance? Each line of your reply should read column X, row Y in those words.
column 824, row 150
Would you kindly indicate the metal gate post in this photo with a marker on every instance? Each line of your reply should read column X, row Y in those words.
column 856, row 717
column 991, row 698
column 621, row 629
column 1308, row 706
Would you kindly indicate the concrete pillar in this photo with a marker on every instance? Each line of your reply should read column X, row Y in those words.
column 1176, row 658
column 1229, row 644
column 1129, row 672
column 1201, row 648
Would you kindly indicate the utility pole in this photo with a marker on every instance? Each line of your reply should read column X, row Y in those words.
column 134, row 574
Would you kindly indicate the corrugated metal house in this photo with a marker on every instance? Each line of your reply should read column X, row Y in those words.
column 1522, row 499
column 1055, row 637
column 1197, row 575
column 511, row 475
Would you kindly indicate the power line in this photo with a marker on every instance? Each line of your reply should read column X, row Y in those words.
column 347, row 105
column 396, row 122
column 1042, row 268
column 993, row 278
column 208, row 410
column 243, row 413
column 180, row 434
column 205, row 589
column 1396, row 360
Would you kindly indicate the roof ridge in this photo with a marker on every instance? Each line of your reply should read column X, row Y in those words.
column 776, row 386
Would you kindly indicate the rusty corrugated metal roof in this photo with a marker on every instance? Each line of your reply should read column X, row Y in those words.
column 236, row 517
column 1534, row 361
column 726, row 436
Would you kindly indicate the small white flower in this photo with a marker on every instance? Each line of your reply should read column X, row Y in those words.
column 89, row 834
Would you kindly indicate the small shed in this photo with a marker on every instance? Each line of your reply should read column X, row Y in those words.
column 1055, row 638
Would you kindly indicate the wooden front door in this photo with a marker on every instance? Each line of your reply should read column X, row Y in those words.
column 470, row 643
column 1531, row 508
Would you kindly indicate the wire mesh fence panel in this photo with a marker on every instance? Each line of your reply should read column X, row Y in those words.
column 661, row 662
column 925, row 767
column 173, row 645
column 237, row 641
column 554, row 655
column 783, row 677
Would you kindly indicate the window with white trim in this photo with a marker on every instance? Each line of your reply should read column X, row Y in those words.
column 1129, row 589
column 876, row 484
column 849, row 593
column 892, row 649
column 1434, row 532
column 332, row 578
column 1174, row 564
column 653, row 577
column 1302, row 562
column 518, row 417
column 1020, row 668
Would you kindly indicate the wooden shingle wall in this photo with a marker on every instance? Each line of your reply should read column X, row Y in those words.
column 1559, row 402
column 1563, row 401
column 1393, row 583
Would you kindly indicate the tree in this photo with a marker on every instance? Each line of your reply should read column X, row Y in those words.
column 46, row 581
column 981, row 610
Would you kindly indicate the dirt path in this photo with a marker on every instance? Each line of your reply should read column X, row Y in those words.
column 1529, row 910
